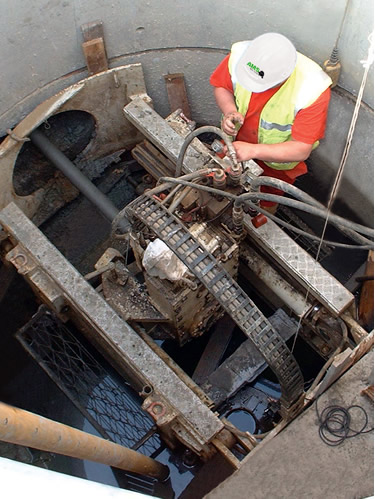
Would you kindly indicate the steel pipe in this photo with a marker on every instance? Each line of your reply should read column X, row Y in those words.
column 25, row 428
column 78, row 179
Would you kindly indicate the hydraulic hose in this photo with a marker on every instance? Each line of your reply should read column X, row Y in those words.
column 285, row 187
column 178, row 199
column 211, row 190
column 302, row 196
column 288, row 226
column 199, row 131
column 171, row 194
column 314, row 210
column 168, row 181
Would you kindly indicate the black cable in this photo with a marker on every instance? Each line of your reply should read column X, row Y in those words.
column 334, row 424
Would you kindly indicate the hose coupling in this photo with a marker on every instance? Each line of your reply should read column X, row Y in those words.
column 234, row 174
column 219, row 179
column 237, row 218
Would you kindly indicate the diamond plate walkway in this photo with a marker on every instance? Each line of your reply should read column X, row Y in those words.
column 298, row 464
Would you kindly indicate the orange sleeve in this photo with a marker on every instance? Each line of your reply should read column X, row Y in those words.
column 310, row 123
column 221, row 77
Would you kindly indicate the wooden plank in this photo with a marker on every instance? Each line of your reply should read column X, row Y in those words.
column 154, row 162
column 366, row 300
column 177, row 95
column 369, row 391
column 92, row 30
column 342, row 362
column 94, row 52
column 226, row 453
column 167, row 163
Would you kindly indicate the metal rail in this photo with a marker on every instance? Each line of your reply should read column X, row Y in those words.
column 226, row 291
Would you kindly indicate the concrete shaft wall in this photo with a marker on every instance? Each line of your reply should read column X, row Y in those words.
column 41, row 54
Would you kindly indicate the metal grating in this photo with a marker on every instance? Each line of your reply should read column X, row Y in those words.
column 106, row 400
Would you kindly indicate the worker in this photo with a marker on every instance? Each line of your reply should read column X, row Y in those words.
column 274, row 102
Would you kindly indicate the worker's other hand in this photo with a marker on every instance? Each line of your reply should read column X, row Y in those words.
column 244, row 150
column 231, row 123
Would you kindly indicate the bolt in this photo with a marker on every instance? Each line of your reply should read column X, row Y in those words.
column 157, row 409
column 19, row 260
column 325, row 349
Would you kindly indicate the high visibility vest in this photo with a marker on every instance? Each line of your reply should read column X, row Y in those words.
column 307, row 82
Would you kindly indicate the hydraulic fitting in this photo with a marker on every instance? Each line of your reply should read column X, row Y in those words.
column 237, row 218
column 218, row 147
column 219, row 179
column 234, row 174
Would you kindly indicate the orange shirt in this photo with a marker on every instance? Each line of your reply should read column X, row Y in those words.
column 308, row 126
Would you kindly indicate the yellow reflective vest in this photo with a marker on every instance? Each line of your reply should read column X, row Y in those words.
column 307, row 82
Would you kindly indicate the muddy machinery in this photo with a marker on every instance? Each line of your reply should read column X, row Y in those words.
column 190, row 232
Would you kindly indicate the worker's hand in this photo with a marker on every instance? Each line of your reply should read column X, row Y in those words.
column 231, row 123
column 244, row 150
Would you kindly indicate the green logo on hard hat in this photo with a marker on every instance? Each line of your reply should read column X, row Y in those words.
column 255, row 69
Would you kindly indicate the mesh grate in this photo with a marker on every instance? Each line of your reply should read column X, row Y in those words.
column 105, row 399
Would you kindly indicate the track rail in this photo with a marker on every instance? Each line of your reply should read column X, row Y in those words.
column 226, row 291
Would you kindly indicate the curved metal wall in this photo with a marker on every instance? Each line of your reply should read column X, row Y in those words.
column 41, row 54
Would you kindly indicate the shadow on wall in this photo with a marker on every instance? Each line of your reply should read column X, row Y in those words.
column 344, row 206
column 356, row 188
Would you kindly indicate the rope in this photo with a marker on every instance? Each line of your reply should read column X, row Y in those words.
column 366, row 64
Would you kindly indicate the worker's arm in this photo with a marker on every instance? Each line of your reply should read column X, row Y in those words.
column 285, row 152
column 225, row 101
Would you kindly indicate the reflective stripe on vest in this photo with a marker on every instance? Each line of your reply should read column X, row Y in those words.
column 307, row 82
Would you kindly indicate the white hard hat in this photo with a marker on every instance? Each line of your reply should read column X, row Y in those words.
column 267, row 61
